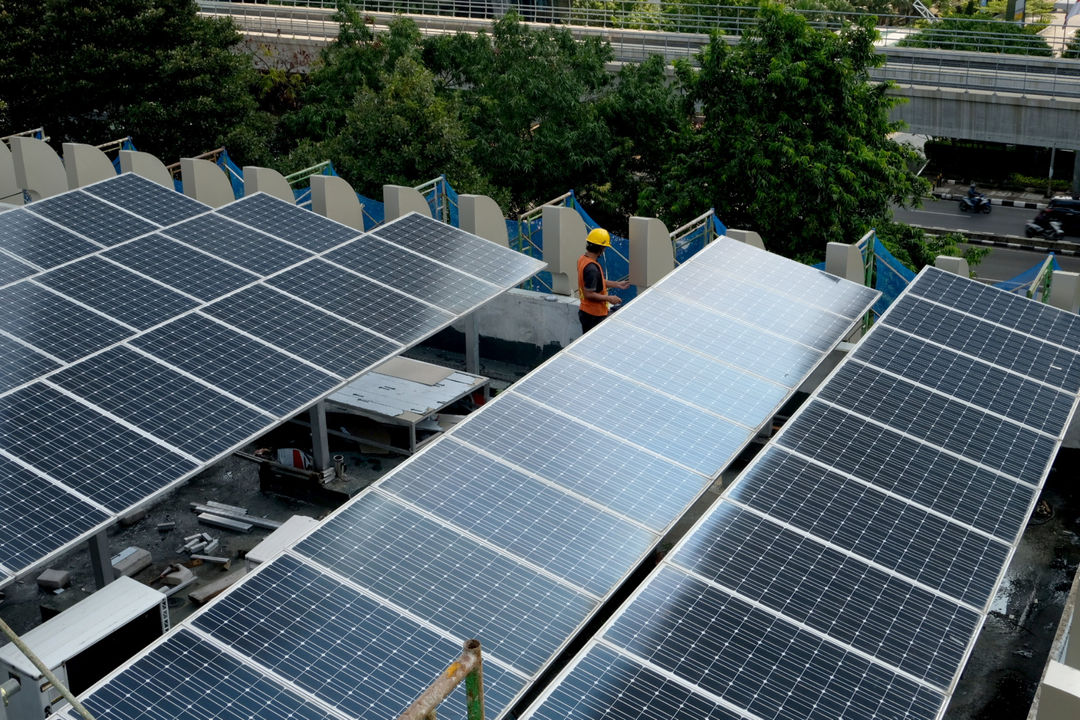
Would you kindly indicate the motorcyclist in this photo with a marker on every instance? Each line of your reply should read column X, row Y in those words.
column 973, row 194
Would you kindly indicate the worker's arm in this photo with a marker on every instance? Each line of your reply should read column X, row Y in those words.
column 601, row 297
column 620, row 284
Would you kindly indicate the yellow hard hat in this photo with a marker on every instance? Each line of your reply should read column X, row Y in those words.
column 599, row 236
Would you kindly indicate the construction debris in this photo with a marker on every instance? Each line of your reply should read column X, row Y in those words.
column 166, row 526
column 223, row 561
column 177, row 575
column 131, row 560
column 54, row 579
column 224, row 522
column 229, row 509
column 211, row 590
column 241, row 517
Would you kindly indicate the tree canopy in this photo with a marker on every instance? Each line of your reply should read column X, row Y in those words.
column 153, row 69
column 794, row 136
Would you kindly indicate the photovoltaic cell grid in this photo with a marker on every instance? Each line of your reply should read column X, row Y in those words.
column 520, row 521
column 847, row 571
column 144, row 334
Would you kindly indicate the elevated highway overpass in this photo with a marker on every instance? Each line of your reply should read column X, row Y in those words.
column 971, row 95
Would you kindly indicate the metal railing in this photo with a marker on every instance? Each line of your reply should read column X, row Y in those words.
column 469, row 668
column 637, row 29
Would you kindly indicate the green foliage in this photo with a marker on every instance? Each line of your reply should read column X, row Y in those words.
column 977, row 30
column 915, row 249
column 793, row 141
column 152, row 69
column 1072, row 49
column 526, row 95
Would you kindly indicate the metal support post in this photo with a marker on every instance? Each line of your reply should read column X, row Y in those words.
column 100, row 560
column 472, row 345
column 468, row 668
column 320, row 445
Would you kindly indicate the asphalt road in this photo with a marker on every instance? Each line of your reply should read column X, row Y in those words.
column 1001, row 263
column 946, row 214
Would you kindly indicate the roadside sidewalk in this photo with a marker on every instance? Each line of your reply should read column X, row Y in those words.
column 952, row 190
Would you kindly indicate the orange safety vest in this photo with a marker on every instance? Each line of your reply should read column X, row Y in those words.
column 591, row 307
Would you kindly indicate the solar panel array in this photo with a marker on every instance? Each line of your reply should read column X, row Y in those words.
column 847, row 571
column 144, row 335
column 516, row 525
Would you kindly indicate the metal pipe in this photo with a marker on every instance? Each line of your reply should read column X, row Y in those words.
column 49, row 675
column 468, row 668
column 339, row 467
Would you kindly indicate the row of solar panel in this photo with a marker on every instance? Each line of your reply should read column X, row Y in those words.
column 520, row 522
column 846, row 572
column 126, row 369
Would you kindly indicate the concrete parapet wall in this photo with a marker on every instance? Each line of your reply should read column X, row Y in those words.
column 524, row 326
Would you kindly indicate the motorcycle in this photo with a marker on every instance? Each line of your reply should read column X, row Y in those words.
column 1047, row 229
column 977, row 204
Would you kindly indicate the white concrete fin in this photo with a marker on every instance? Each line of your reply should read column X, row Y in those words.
column 482, row 216
column 844, row 260
column 334, row 198
column 206, row 182
column 749, row 237
column 652, row 255
column 399, row 200
column 38, row 169
column 271, row 182
column 10, row 192
column 86, row 164
column 564, row 242
column 955, row 265
column 1064, row 290
column 146, row 165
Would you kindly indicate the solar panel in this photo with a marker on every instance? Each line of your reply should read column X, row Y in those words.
column 290, row 223
column 118, row 293
column 522, row 520
column 252, row 250
column 95, row 219
column 846, row 572
column 456, row 248
column 411, row 273
column 39, row 242
column 147, row 199
column 142, row 339
column 12, row 269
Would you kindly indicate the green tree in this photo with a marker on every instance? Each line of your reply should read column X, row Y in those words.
column 793, row 140
column 1072, row 49
column 979, row 30
column 529, row 98
column 403, row 133
column 913, row 247
column 152, row 69
column 647, row 125
column 357, row 60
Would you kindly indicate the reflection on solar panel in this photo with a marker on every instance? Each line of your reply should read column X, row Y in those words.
column 847, row 571
column 144, row 335
column 520, row 522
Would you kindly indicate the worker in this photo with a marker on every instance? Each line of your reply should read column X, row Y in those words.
column 592, row 286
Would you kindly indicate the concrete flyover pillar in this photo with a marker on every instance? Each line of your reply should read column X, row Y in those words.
column 85, row 164
column 651, row 253
column 146, row 165
column 10, row 192
column 38, row 169
column 482, row 216
column 564, row 243
column 206, row 182
column 399, row 200
column 333, row 197
column 260, row 179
